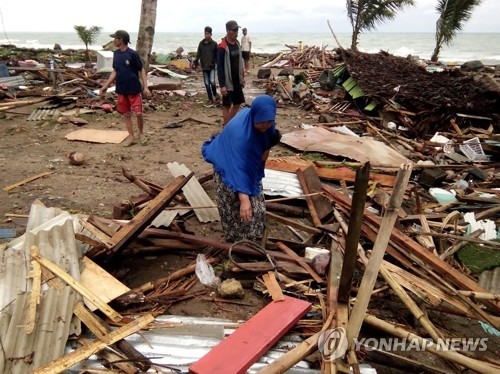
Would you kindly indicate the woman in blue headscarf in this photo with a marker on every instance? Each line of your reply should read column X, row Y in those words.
column 238, row 155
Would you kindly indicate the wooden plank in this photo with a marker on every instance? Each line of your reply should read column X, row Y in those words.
column 353, row 232
column 71, row 359
column 337, row 174
column 310, row 203
column 137, row 224
column 293, row 223
column 300, row 261
column 242, row 348
column 98, row 136
column 321, row 202
column 36, row 274
column 101, row 283
column 103, row 307
column 27, row 180
column 377, row 256
column 273, row 286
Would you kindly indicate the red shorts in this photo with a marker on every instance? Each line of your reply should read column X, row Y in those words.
column 129, row 103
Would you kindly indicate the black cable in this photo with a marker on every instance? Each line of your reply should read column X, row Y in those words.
column 256, row 247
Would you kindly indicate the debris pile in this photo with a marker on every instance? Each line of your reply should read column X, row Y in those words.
column 386, row 220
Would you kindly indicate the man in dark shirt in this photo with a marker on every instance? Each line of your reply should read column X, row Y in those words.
column 230, row 72
column 131, row 82
column 207, row 55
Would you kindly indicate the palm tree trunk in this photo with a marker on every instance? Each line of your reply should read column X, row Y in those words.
column 354, row 40
column 435, row 54
column 146, row 31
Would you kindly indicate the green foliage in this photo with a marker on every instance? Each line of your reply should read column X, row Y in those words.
column 87, row 36
column 366, row 14
column 478, row 258
column 453, row 15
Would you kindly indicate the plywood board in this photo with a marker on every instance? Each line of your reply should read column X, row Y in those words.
column 103, row 284
column 98, row 136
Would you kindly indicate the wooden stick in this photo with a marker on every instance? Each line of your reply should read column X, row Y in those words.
column 69, row 360
column 300, row 261
column 36, row 274
column 390, row 166
column 457, row 237
column 27, row 180
column 454, row 248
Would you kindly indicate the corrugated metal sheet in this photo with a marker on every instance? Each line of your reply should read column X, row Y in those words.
column 22, row 352
column 281, row 183
column 13, row 81
column 195, row 194
column 41, row 114
column 53, row 233
column 490, row 280
column 179, row 347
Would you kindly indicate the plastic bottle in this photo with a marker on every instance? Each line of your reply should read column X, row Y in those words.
column 52, row 64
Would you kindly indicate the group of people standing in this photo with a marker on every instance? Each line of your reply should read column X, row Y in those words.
column 239, row 152
column 230, row 59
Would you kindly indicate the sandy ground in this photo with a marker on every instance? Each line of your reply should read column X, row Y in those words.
column 29, row 148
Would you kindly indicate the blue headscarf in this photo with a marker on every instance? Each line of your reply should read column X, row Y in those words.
column 236, row 153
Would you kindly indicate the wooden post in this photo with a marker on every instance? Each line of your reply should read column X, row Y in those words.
column 372, row 269
column 354, row 230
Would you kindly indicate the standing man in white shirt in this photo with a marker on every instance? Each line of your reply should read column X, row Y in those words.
column 246, row 49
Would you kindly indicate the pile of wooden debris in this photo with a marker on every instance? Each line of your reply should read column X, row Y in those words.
column 376, row 235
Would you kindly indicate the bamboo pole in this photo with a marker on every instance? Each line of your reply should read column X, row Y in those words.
column 454, row 248
column 457, row 237
column 480, row 295
column 450, row 355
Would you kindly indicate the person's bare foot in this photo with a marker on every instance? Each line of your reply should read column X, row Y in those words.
column 128, row 142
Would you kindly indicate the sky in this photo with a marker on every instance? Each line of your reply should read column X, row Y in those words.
column 259, row 16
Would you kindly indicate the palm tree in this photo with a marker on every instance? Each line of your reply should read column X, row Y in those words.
column 146, row 31
column 453, row 15
column 365, row 14
column 88, row 36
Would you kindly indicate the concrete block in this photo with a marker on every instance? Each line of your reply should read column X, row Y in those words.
column 104, row 60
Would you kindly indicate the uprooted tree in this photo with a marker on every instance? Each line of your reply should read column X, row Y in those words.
column 366, row 14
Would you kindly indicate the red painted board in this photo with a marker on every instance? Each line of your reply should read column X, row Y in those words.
column 241, row 349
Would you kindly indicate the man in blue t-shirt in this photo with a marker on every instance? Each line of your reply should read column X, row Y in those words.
column 131, row 82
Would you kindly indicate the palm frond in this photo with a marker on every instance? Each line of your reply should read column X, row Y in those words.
column 453, row 15
column 369, row 13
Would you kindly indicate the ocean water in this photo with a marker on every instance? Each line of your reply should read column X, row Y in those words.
column 465, row 47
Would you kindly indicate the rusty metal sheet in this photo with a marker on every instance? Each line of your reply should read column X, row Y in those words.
column 360, row 149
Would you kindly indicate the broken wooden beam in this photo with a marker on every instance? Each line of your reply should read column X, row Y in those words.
column 154, row 207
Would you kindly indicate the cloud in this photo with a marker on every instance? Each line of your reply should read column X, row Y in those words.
column 260, row 16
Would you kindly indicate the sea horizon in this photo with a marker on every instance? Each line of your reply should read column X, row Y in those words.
column 465, row 46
